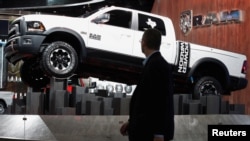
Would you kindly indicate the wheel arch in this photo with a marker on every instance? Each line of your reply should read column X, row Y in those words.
column 69, row 36
column 211, row 67
column 4, row 106
column 3, row 101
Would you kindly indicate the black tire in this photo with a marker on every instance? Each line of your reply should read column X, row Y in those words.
column 2, row 108
column 207, row 86
column 59, row 60
column 32, row 75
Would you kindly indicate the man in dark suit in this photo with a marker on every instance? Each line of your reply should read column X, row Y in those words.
column 151, row 116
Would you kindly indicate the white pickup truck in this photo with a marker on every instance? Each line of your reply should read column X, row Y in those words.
column 106, row 44
column 6, row 100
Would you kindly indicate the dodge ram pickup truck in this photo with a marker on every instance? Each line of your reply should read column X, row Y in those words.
column 6, row 100
column 106, row 44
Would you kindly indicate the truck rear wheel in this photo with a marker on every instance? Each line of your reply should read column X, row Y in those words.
column 59, row 59
column 32, row 75
column 206, row 86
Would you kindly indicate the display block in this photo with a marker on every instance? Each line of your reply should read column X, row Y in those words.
column 213, row 104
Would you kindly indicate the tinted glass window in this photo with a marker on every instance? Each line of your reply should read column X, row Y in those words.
column 146, row 22
column 120, row 18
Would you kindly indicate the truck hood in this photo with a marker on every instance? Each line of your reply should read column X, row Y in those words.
column 50, row 21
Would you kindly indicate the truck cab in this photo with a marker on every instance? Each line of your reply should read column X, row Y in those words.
column 6, row 100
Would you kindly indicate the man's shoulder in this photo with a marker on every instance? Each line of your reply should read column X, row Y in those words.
column 157, row 56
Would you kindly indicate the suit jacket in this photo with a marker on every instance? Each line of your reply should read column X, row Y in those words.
column 151, row 105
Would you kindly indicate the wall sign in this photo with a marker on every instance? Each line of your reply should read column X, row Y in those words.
column 187, row 20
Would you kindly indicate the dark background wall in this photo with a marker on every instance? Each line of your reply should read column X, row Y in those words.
column 232, row 36
column 28, row 3
column 23, row 3
column 42, row 5
column 144, row 5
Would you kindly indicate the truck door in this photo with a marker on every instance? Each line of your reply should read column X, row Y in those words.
column 112, row 32
column 145, row 22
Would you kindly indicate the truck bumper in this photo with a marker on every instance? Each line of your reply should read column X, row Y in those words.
column 22, row 47
column 238, row 83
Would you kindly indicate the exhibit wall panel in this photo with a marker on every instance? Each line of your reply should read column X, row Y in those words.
column 28, row 3
column 231, row 35
column 3, row 62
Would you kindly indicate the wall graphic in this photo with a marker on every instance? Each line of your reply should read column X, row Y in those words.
column 3, row 62
column 10, row 79
column 188, row 20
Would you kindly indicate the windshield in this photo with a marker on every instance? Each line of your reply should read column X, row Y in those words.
column 88, row 13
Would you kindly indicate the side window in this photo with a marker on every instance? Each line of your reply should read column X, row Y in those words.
column 119, row 18
column 146, row 22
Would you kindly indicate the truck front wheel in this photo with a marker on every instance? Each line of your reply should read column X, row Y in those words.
column 2, row 107
column 206, row 86
column 59, row 59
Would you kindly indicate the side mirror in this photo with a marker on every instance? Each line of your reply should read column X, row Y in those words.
column 102, row 18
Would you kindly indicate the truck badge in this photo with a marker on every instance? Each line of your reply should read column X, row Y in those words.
column 95, row 36
column 151, row 23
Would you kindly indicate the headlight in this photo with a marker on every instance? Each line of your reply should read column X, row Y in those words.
column 35, row 26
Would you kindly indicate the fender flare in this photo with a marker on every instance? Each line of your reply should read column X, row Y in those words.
column 214, row 61
column 4, row 102
column 83, row 52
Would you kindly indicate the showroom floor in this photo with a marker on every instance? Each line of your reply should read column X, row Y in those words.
column 102, row 128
